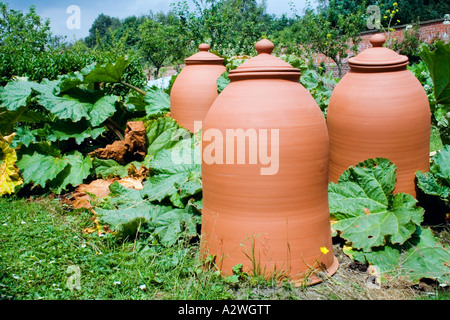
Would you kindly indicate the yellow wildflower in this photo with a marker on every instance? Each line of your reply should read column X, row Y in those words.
column 324, row 250
column 395, row 4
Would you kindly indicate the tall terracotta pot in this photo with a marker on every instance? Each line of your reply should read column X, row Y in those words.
column 195, row 88
column 264, row 170
column 379, row 109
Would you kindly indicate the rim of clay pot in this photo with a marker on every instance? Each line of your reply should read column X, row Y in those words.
column 204, row 56
column 265, row 65
column 378, row 58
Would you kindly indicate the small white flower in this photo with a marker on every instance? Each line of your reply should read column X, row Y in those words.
column 5, row 224
column 22, row 222
column 142, row 287
column 53, row 261
column 16, row 276
column 116, row 283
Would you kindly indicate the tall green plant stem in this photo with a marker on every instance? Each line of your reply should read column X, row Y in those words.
column 132, row 87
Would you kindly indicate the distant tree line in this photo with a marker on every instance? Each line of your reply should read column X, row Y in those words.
column 231, row 27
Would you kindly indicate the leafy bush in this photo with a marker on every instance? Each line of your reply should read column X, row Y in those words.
column 60, row 121
column 437, row 181
column 438, row 64
column 382, row 228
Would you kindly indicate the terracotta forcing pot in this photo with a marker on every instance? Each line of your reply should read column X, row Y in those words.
column 265, row 170
column 195, row 88
column 379, row 109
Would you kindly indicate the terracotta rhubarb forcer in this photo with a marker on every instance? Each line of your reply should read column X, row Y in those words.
column 195, row 88
column 265, row 170
column 379, row 109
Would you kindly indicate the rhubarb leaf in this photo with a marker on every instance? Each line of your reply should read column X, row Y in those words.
column 9, row 172
column 367, row 212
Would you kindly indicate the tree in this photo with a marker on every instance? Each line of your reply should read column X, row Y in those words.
column 20, row 31
column 414, row 10
column 100, row 27
column 158, row 43
column 331, row 30
column 28, row 48
column 231, row 27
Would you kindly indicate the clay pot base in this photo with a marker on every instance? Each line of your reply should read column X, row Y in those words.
column 313, row 279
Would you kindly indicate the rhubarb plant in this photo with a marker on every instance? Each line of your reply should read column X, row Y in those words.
column 382, row 228
column 57, row 123
column 436, row 182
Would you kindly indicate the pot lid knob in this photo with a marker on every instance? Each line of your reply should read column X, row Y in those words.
column 264, row 46
column 204, row 56
column 204, row 47
column 377, row 40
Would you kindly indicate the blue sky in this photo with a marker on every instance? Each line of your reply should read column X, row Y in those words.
column 56, row 11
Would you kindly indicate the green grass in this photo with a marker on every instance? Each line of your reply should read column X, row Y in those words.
column 40, row 240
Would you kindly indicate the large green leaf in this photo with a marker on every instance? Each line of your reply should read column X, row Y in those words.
column 126, row 221
column 163, row 133
column 8, row 120
column 16, row 94
column 65, row 130
column 425, row 257
column 135, row 214
column 169, row 226
column 437, row 181
column 76, row 103
column 176, row 173
column 108, row 168
column 421, row 256
column 78, row 168
column 223, row 81
column 438, row 64
column 102, row 109
column 40, row 168
column 54, row 170
column 68, row 81
column 109, row 72
column 428, row 183
column 441, row 164
column 158, row 103
column 367, row 211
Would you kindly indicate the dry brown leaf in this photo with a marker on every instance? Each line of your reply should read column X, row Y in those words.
column 131, row 183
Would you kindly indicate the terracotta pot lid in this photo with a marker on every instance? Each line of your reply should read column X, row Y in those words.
column 265, row 64
column 204, row 56
column 378, row 57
